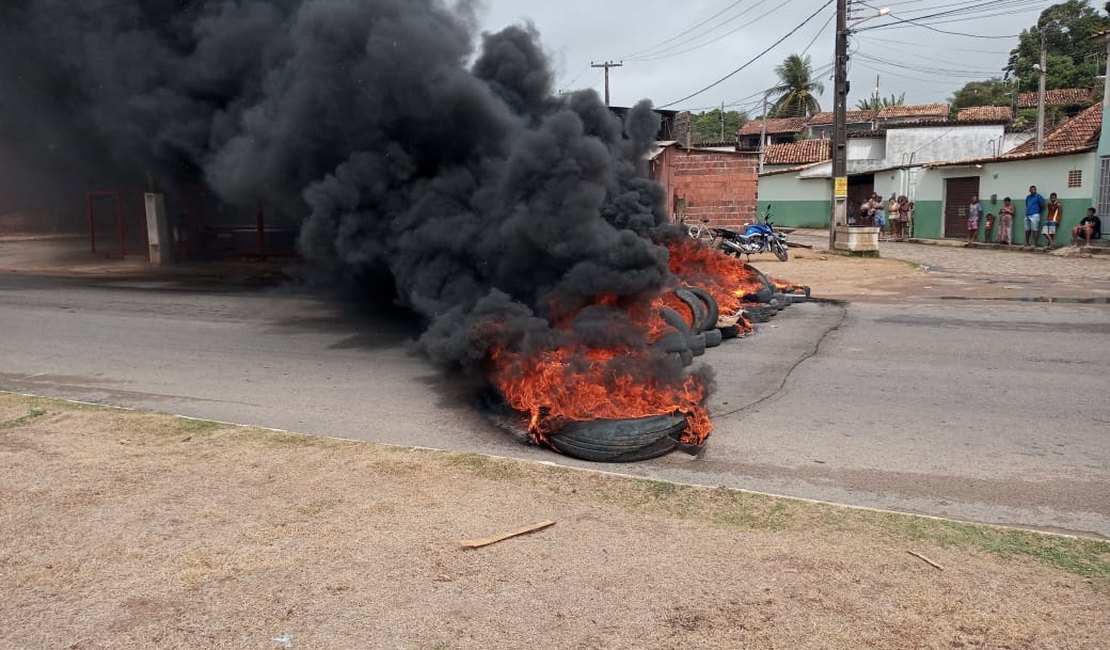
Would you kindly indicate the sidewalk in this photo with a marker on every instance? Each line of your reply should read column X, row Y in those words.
column 940, row 270
column 69, row 256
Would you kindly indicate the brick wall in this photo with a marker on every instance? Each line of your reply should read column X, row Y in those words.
column 720, row 187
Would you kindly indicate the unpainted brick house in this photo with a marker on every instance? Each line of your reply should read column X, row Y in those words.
column 713, row 186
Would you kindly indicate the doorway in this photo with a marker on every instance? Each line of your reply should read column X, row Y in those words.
column 957, row 199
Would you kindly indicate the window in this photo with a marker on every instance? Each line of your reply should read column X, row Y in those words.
column 1075, row 178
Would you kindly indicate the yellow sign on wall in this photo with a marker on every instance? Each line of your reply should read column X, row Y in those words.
column 840, row 187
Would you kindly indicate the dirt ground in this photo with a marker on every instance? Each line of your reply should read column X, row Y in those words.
column 133, row 530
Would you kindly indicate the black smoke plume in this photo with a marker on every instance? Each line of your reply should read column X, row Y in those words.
column 396, row 138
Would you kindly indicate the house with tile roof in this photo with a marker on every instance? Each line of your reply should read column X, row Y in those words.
column 912, row 113
column 985, row 114
column 778, row 130
column 1061, row 104
column 797, row 185
column 1082, row 97
column 821, row 124
column 791, row 154
column 1065, row 164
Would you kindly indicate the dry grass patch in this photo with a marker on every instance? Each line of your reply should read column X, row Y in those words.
column 132, row 530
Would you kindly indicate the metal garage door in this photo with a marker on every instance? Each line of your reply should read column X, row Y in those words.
column 957, row 197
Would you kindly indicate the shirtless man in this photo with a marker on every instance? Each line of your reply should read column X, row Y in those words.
column 1089, row 228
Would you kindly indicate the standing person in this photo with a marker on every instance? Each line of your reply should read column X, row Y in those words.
column 903, row 217
column 988, row 228
column 974, row 212
column 1006, row 221
column 1051, row 219
column 892, row 213
column 1090, row 228
column 880, row 211
column 1034, row 206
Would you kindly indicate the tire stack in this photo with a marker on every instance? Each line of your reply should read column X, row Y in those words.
column 619, row 441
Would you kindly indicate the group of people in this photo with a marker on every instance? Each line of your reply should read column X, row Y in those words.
column 1090, row 227
column 892, row 217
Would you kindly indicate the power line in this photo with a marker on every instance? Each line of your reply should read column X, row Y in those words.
column 669, row 51
column 753, row 59
column 683, row 33
column 819, row 32
column 940, row 31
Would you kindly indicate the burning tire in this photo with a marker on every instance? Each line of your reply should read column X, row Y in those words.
column 619, row 441
column 713, row 337
column 697, row 306
column 678, row 341
column 730, row 332
column 760, row 313
column 713, row 311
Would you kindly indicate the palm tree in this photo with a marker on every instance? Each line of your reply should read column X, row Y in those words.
column 797, row 90
column 876, row 103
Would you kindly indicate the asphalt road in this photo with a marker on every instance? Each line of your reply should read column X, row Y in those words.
column 983, row 411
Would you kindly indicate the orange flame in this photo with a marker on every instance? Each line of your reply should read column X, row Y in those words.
column 724, row 277
column 785, row 286
column 575, row 382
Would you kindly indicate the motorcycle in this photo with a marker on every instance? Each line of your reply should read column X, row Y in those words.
column 757, row 238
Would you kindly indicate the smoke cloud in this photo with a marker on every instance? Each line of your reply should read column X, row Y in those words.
column 396, row 137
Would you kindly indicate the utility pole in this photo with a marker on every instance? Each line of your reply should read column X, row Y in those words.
column 722, row 122
column 840, row 128
column 606, row 65
column 1040, row 93
column 763, row 131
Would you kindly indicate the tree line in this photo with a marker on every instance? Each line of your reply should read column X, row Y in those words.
column 1074, row 60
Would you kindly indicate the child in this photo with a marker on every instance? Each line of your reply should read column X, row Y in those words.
column 974, row 211
column 1006, row 221
column 988, row 228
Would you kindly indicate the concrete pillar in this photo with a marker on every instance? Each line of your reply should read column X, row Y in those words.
column 159, row 240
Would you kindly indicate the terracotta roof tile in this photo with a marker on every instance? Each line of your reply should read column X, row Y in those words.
column 774, row 125
column 797, row 153
column 1058, row 97
column 852, row 116
column 1079, row 132
column 985, row 114
column 917, row 110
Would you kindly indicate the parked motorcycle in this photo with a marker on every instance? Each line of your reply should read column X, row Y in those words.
column 757, row 238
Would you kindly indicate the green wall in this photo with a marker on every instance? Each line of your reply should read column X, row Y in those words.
column 927, row 219
column 798, row 214
column 1074, row 210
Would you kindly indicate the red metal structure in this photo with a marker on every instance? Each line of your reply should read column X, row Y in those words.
column 126, row 219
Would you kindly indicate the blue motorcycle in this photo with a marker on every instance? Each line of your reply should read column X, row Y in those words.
column 757, row 238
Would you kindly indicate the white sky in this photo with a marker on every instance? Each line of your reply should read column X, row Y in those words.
column 925, row 65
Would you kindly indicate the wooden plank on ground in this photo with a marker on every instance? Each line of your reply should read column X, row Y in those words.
column 492, row 539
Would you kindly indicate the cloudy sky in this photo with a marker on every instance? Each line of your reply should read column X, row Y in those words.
column 674, row 49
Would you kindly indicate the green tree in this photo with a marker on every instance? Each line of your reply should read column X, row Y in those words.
column 1074, row 59
column 992, row 92
column 876, row 103
column 797, row 90
column 707, row 126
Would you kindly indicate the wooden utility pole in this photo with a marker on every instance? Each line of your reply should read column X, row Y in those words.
column 840, row 127
column 1041, row 73
column 606, row 65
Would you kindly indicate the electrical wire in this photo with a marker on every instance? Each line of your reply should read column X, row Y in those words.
column 753, row 59
column 671, row 51
column 683, row 33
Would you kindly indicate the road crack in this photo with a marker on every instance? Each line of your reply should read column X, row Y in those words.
column 786, row 376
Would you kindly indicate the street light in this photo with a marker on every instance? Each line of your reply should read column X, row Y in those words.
column 885, row 11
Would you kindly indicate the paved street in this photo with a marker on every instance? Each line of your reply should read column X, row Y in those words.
column 984, row 410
